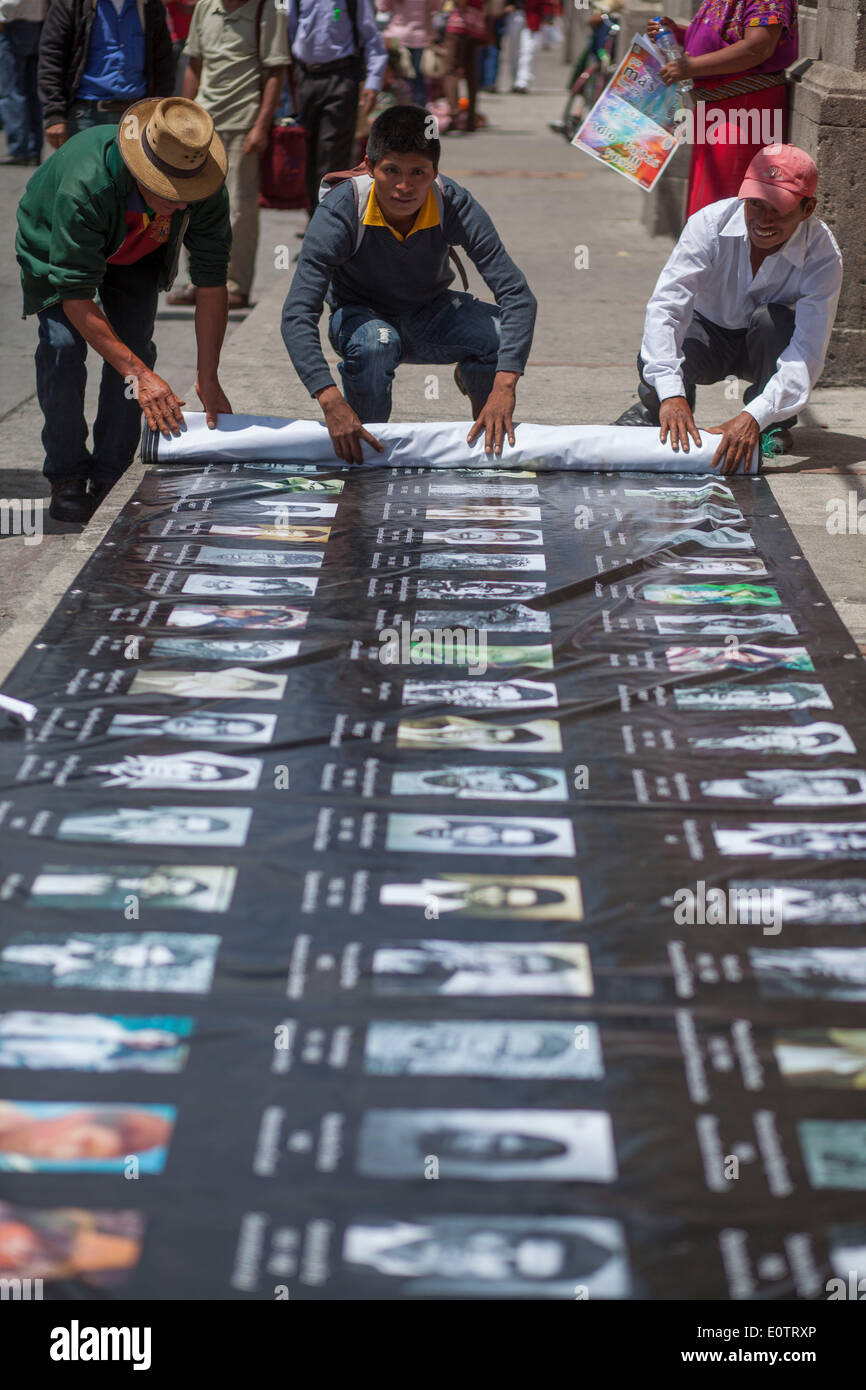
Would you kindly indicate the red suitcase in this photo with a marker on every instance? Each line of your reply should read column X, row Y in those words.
column 284, row 165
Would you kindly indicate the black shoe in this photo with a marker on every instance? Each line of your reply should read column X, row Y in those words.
column 18, row 159
column 98, row 489
column 636, row 414
column 70, row 500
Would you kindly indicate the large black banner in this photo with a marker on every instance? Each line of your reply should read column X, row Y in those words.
column 436, row 884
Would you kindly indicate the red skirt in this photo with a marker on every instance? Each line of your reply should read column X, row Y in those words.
column 717, row 169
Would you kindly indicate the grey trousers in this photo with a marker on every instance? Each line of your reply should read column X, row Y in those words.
column 711, row 353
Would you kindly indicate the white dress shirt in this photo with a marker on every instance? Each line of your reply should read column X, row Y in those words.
column 709, row 272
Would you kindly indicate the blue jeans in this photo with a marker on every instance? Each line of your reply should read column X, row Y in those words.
column 453, row 327
column 20, row 110
column 419, row 81
column 490, row 56
column 128, row 296
column 83, row 115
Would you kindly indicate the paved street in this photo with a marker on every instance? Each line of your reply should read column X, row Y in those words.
column 548, row 200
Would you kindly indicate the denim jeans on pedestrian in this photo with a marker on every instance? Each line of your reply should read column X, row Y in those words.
column 490, row 56
column 453, row 327
column 20, row 110
column 83, row 115
column 419, row 81
column 128, row 297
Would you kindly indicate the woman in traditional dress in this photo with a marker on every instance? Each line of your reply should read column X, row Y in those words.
column 736, row 52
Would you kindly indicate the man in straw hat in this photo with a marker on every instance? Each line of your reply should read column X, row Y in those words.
column 750, row 290
column 106, row 216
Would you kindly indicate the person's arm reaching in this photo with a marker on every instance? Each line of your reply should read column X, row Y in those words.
column 159, row 404
column 466, row 224
column 668, row 315
column 211, row 316
column 329, row 240
column 798, row 366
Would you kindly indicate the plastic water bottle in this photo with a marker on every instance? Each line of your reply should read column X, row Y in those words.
column 665, row 41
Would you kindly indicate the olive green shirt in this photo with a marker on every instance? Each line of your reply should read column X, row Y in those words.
column 231, row 72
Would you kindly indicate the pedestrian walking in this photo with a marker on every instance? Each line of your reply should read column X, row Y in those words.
column 331, row 47
column 466, row 35
column 521, row 34
column 106, row 216
column 410, row 26
column 96, row 57
column 20, row 111
column 238, row 55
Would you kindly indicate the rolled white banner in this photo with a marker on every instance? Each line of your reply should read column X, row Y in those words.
column 433, row 444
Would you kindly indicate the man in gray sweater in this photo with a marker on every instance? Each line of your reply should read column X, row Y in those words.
column 378, row 250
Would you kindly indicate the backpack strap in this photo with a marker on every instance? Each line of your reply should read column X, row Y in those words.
column 439, row 195
column 362, row 182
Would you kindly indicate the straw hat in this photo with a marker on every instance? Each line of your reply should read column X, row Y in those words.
column 171, row 147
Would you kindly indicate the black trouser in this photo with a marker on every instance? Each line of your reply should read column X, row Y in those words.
column 128, row 296
column 328, row 108
column 711, row 353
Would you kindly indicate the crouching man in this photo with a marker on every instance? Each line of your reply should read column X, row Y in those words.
column 106, row 216
column 750, row 290
column 378, row 249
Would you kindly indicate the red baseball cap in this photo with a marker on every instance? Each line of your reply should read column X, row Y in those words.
column 781, row 175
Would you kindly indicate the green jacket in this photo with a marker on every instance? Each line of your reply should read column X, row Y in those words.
column 71, row 219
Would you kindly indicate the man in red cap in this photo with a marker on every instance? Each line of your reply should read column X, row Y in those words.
column 750, row 291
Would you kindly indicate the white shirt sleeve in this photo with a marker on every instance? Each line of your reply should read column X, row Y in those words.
column 670, row 308
column 802, row 361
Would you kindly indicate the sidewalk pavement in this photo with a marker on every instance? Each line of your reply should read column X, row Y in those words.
column 574, row 227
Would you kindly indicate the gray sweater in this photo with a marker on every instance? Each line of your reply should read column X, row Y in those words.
column 396, row 277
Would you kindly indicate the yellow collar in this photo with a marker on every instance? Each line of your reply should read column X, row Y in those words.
column 427, row 216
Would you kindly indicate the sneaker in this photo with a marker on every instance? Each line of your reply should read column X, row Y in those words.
column 186, row 296
column 777, row 441
column 239, row 301
column 636, row 414
column 70, row 500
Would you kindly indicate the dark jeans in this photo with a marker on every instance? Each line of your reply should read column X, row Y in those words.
column 83, row 115
column 328, row 108
column 451, row 328
column 129, row 298
column 20, row 110
column 419, row 81
column 711, row 353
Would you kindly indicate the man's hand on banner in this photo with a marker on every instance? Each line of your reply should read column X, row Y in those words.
column 676, row 419
column 344, row 426
column 214, row 400
column 737, row 444
column 160, row 406
column 495, row 416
